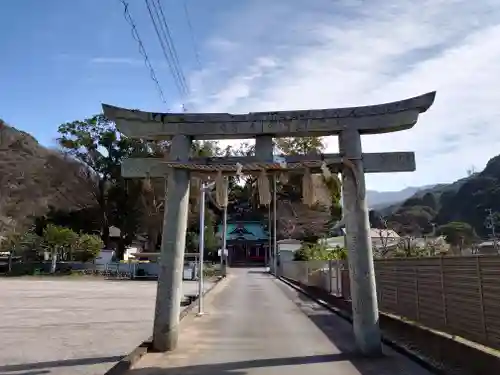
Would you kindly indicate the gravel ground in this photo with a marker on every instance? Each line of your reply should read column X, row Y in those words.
column 77, row 326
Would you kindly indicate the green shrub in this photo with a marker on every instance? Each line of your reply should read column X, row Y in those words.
column 87, row 247
column 319, row 252
column 59, row 241
column 63, row 242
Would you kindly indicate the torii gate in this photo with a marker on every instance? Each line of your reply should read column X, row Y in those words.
column 348, row 123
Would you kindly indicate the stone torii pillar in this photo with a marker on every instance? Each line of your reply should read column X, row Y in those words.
column 169, row 290
column 264, row 146
column 359, row 245
column 347, row 123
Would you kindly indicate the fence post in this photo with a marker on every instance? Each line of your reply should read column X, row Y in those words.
column 481, row 297
column 330, row 275
column 307, row 272
column 338, row 275
column 443, row 292
column 397, row 287
column 417, row 300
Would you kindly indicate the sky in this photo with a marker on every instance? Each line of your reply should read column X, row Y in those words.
column 62, row 59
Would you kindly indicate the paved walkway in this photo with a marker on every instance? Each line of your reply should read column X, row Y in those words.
column 258, row 325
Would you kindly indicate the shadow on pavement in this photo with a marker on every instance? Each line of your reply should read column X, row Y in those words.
column 51, row 364
column 36, row 372
column 259, row 272
column 340, row 333
column 240, row 368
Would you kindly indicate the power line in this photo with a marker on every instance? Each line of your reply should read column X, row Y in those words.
column 191, row 32
column 167, row 46
column 170, row 41
column 142, row 50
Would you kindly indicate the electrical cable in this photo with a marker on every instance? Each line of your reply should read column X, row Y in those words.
column 142, row 50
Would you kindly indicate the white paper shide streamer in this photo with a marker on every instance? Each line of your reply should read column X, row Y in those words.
column 314, row 187
column 308, row 197
column 221, row 185
column 264, row 188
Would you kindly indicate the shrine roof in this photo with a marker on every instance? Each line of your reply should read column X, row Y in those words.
column 245, row 231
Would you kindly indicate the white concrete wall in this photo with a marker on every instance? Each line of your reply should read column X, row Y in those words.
column 286, row 255
column 323, row 274
column 289, row 246
column 287, row 250
column 129, row 251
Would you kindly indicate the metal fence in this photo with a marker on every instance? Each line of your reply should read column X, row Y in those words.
column 457, row 295
column 324, row 274
column 146, row 270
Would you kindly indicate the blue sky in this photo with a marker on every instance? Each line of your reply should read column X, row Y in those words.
column 61, row 59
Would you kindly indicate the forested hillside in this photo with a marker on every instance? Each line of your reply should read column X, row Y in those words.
column 34, row 178
column 467, row 200
column 81, row 187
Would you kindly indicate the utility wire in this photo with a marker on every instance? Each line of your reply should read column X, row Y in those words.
column 166, row 43
column 170, row 41
column 191, row 32
column 142, row 50
column 164, row 48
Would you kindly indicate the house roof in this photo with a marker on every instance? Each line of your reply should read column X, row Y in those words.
column 333, row 241
column 487, row 243
column 374, row 232
column 384, row 233
column 289, row 241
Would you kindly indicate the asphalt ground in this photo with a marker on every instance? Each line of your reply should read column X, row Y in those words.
column 257, row 325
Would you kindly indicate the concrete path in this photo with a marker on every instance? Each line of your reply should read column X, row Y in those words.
column 256, row 324
column 73, row 326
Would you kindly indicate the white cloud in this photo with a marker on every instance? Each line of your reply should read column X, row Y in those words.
column 221, row 45
column 116, row 60
column 345, row 53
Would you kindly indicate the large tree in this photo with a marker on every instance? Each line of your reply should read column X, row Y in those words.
column 96, row 143
column 291, row 191
column 458, row 235
column 300, row 145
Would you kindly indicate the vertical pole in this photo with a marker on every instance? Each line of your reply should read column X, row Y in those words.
column 223, row 258
column 339, row 278
column 417, row 291
column 169, row 293
column 330, row 276
column 495, row 245
column 275, row 231
column 269, row 225
column 396, row 277
column 202, row 249
column 361, row 268
column 443, row 291
column 481, row 298
column 264, row 152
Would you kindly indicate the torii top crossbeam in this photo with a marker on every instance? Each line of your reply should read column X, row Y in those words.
column 374, row 119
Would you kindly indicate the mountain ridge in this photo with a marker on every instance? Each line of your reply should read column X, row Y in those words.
column 34, row 178
column 381, row 199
